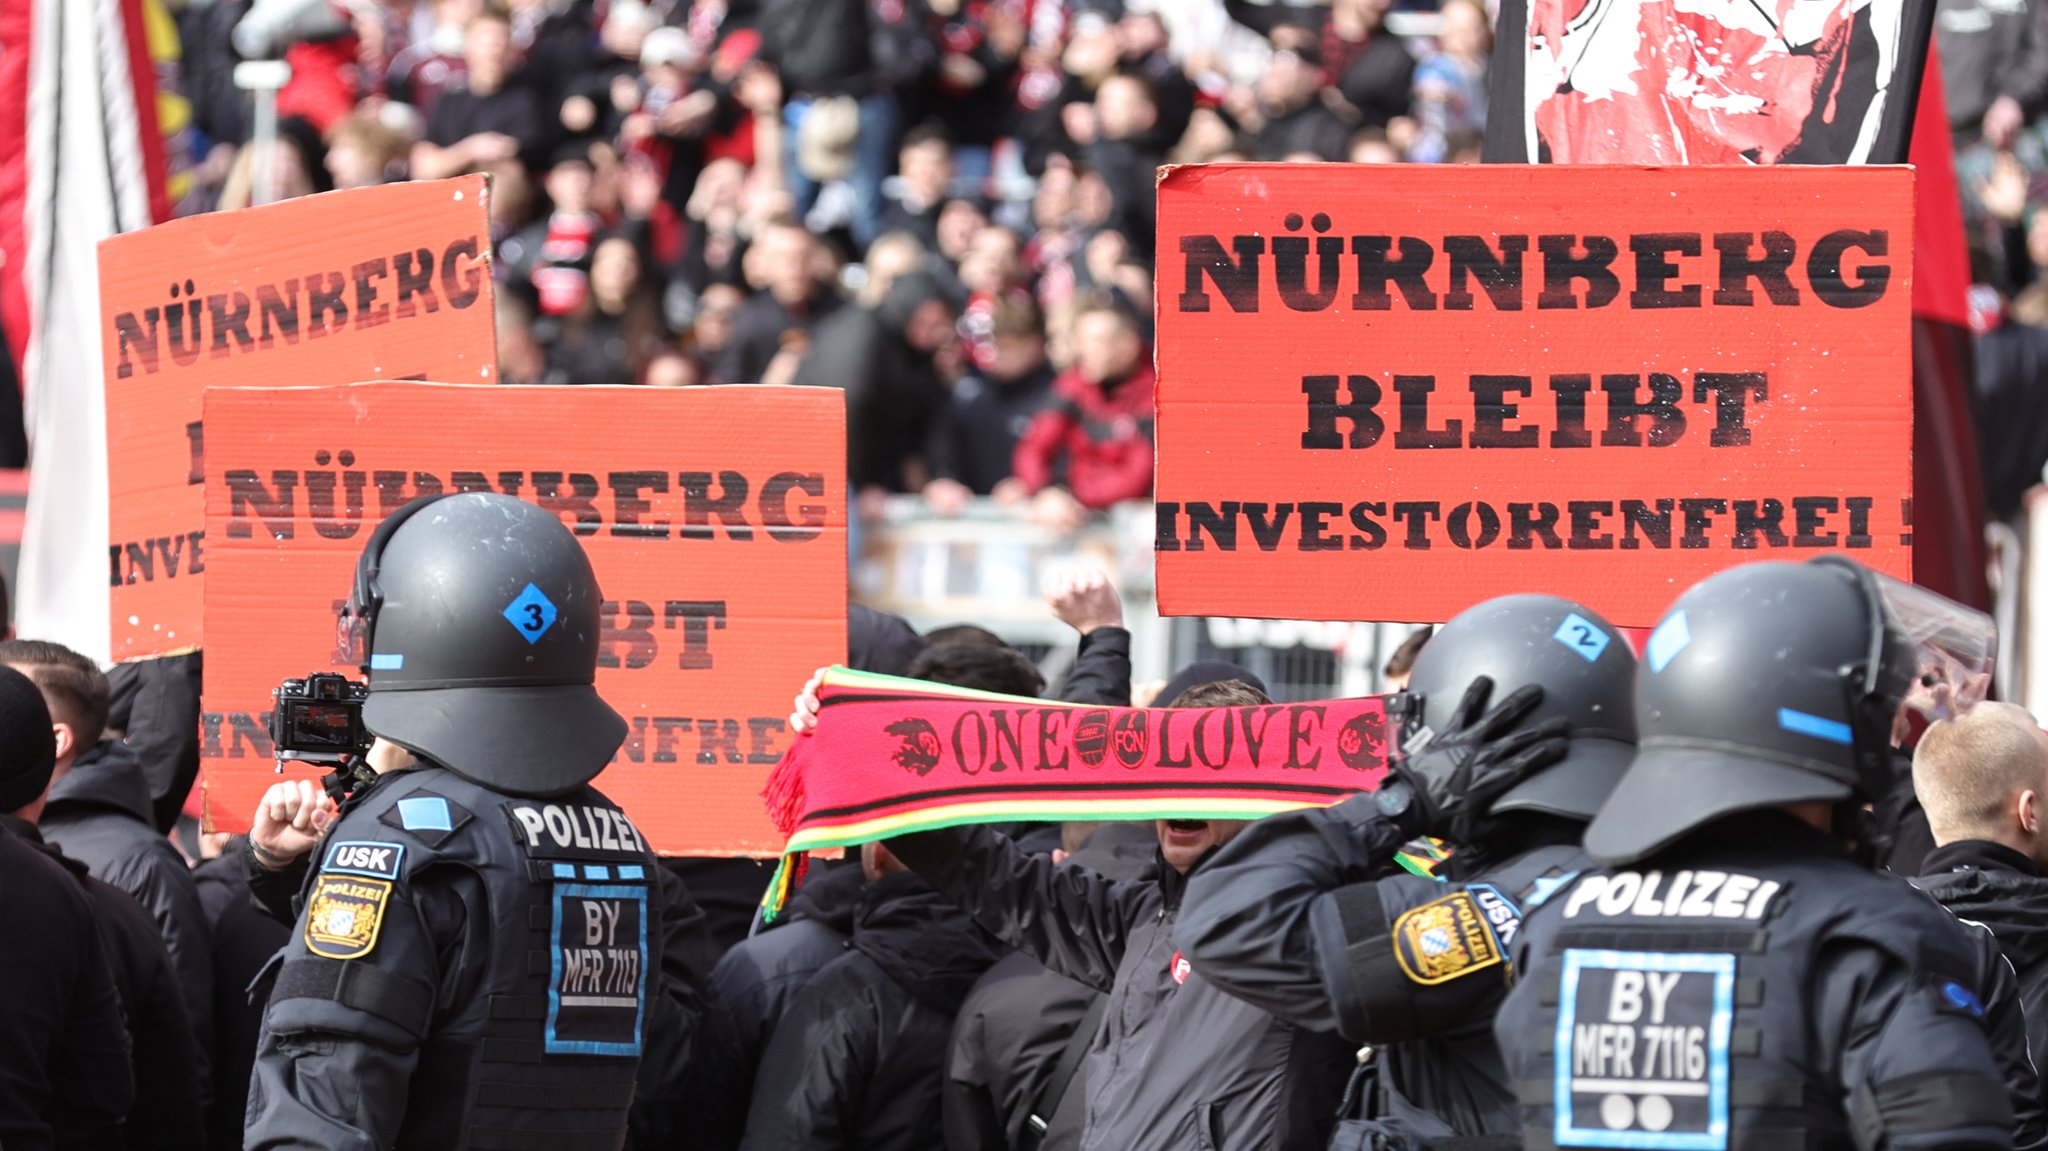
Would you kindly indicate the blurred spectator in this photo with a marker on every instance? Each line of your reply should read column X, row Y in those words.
column 422, row 71
column 1095, row 442
column 281, row 171
column 890, row 362
column 1450, row 83
column 487, row 119
column 840, row 115
column 521, row 359
column 1994, row 74
column 554, row 254
column 925, row 167
column 1122, row 153
column 1298, row 123
column 614, row 330
column 712, row 323
column 777, row 320
column 364, row 151
column 892, row 255
column 670, row 368
column 989, row 410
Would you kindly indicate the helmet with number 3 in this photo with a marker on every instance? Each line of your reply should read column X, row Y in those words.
column 477, row 618
column 1586, row 671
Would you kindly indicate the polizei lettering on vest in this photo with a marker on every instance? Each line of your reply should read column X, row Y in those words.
column 1686, row 895
column 573, row 825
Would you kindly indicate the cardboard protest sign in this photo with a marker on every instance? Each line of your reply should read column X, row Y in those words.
column 1388, row 393
column 715, row 518
column 390, row 282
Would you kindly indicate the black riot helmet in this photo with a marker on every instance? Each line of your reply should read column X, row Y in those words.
column 476, row 617
column 1777, row 683
column 1584, row 667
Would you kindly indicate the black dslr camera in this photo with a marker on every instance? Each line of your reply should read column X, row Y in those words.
column 319, row 719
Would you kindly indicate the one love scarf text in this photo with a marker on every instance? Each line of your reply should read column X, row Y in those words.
column 897, row 755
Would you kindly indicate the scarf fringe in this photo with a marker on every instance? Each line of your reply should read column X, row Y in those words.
column 784, row 794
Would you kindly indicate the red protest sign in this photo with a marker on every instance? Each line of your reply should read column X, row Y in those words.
column 1390, row 392
column 373, row 283
column 714, row 517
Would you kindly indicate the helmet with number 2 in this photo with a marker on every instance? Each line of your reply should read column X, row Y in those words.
column 1586, row 670
column 477, row 618
column 1776, row 683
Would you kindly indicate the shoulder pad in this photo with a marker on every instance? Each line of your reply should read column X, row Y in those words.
column 429, row 818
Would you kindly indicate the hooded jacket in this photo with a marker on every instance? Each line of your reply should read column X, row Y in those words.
column 168, row 1113
column 66, row 1081
column 1177, row 1063
column 751, row 988
column 857, row 1059
column 893, row 392
column 1994, row 885
column 1011, row 1038
column 100, row 814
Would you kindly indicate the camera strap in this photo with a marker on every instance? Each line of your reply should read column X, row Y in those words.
column 350, row 776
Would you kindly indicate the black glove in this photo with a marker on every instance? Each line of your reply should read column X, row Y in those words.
column 1451, row 780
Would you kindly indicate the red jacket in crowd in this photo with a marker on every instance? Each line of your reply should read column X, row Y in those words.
column 1096, row 439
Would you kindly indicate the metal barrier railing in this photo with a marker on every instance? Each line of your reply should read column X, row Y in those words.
column 989, row 566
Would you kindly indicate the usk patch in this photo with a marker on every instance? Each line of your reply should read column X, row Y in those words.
column 344, row 915
column 1445, row 939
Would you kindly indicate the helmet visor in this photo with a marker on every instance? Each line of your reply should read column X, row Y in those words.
column 1955, row 649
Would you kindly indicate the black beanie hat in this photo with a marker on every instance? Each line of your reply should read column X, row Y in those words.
column 28, row 744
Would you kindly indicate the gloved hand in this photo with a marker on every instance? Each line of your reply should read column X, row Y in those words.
column 1454, row 776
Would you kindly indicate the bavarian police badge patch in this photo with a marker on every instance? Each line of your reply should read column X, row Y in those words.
column 1445, row 939
column 344, row 915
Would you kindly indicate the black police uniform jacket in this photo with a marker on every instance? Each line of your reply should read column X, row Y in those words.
column 1306, row 915
column 1752, row 987
column 469, row 970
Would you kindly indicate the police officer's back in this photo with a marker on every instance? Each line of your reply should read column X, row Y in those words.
column 1304, row 914
column 1732, row 977
column 479, row 954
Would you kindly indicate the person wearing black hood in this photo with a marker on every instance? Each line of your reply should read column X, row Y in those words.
column 756, row 982
column 100, row 814
column 885, row 359
column 976, row 434
column 856, row 1060
column 168, row 1113
column 65, row 1076
column 751, row 989
column 1983, row 778
column 1176, row 1063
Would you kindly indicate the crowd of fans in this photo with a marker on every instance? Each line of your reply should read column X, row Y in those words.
column 943, row 207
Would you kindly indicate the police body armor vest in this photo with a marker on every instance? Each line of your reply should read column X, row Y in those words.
column 1670, row 1007
column 1430, row 963
column 543, row 1056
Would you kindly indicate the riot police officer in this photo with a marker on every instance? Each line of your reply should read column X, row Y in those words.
column 1733, row 976
column 1299, row 916
column 479, row 957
